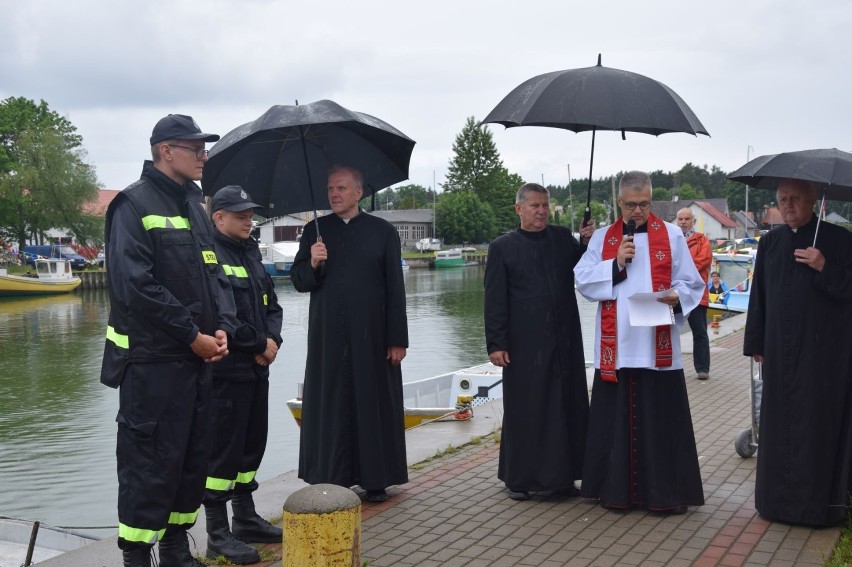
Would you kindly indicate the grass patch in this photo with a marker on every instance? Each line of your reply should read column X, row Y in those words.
column 841, row 555
column 450, row 450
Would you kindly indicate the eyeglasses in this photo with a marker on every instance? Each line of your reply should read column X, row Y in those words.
column 644, row 205
column 200, row 153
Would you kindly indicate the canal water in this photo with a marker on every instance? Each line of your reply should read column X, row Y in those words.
column 57, row 422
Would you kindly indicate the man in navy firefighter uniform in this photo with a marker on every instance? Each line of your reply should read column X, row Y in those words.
column 171, row 312
column 241, row 386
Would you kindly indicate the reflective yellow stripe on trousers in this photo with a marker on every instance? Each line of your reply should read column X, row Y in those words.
column 139, row 535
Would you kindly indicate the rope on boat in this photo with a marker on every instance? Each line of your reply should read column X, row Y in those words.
column 69, row 529
column 462, row 412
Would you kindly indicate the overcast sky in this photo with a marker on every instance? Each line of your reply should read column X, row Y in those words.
column 771, row 75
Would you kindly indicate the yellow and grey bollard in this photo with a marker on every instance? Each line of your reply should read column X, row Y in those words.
column 322, row 527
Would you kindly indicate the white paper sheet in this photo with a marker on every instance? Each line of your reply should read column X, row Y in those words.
column 645, row 311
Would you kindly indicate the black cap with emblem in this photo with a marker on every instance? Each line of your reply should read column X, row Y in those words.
column 232, row 198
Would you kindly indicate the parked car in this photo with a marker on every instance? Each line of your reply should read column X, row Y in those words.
column 54, row 251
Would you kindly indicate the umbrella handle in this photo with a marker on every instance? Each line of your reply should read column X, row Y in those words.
column 321, row 266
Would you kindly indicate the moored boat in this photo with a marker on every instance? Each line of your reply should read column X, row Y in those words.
column 735, row 269
column 436, row 397
column 53, row 275
column 278, row 257
column 452, row 258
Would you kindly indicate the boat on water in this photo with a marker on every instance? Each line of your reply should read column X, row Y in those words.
column 277, row 257
column 440, row 396
column 735, row 269
column 452, row 258
column 53, row 275
column 21, row 540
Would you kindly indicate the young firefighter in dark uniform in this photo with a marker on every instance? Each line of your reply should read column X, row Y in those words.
column 241, row 386
column 171, row 311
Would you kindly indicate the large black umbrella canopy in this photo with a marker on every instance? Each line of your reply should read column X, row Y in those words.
column 596, row 98
column 830, row 171
column 282, row 158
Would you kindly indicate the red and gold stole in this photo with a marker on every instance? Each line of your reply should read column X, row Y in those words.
column 660, row 255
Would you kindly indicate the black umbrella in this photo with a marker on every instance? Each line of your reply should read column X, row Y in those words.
column 830, row 171
column 282, row 158
column 596, row 98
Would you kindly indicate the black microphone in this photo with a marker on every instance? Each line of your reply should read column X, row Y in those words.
column 631, row 228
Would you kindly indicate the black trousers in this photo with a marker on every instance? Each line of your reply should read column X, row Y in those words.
column 162, row 449
column 700, row 342
column 240, row 426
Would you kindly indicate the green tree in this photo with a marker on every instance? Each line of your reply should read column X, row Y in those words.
column 413, row 196
column 598, row 215
column 476, row 167
column 47, row 188
column 20, row 115
column 687, row 191
column 462, row 217
column 475, row 160
column 757, row 198
column 661, row 194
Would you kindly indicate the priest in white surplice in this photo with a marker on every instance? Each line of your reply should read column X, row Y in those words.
column 640, row 449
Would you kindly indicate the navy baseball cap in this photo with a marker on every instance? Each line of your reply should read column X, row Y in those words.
column 232, row 198
column 179, row 127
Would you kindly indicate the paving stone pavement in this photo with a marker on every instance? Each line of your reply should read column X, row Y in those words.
column 454, row 511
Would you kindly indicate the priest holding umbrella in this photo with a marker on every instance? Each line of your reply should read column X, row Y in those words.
column 798, row 327
column 350, row 262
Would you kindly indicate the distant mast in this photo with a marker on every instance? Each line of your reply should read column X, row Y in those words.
column 434, row 204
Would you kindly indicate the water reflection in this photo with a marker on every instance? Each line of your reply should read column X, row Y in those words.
column 57, row 422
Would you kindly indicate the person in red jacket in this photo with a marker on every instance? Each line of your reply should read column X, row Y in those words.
column 702, row 255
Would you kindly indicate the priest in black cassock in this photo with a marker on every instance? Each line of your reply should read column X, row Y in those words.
column 352, row 414
column 532, row 330
column 640, row 451
column 799, row 325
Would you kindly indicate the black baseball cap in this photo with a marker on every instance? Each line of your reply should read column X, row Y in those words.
column 179, row 127
column 232, row 198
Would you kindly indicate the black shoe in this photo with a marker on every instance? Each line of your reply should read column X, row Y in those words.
column 571, row 491
column 248, row 526
column 376, row 495
column 220, row 540
column 519, row 495
column 676, row 511
column 608, row 506
column 137, row 556
column 174, row 550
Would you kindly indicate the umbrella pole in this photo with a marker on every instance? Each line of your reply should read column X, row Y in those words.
column 310, row 182
column 819, row 216
column 587, row 215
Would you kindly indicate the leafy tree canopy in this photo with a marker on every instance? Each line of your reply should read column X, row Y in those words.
column 19, row 115
column 462, row 217
column 411, row 196
column 44, row 180
column 476, row 167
